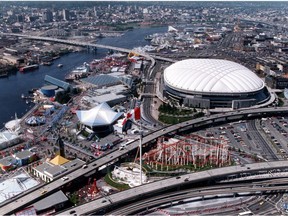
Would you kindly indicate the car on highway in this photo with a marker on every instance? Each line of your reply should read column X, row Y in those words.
column 72, row 212
column 44, row 191
column 102, row 147
column 64, row 178
column 85, row 166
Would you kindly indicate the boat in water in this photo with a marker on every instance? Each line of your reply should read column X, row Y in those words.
column 81, row 69
column 29, row 67
column 148, row 37
column 48, row 63
column 60, row 65
column 4, row 74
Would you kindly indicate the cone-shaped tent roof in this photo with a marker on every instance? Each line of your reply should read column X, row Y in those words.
column 58, row 160
column 100, row 115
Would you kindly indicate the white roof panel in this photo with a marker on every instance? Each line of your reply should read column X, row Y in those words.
column 211, row 75
column 98, row 116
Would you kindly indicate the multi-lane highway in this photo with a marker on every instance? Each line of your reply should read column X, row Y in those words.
column 267, row 150
column 146, row 190
column 26, row 199
column 139, row 191
column 201, row 193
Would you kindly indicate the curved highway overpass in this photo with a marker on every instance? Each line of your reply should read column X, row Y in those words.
column 23, row 200
column 146, row 190
column 199, row 194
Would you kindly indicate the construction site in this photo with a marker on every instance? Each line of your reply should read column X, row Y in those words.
column 190, row 152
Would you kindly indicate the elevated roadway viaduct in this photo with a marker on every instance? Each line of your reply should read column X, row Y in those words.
column 193, row 195
column 25, row 199
column 147, row 191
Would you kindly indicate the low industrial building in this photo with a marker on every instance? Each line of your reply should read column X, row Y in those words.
column 25, row 157
column 46, row 206
column 278, row 82
column 13, row 59
column 52, row 169
column 8, row 163
column 111, row 95
column 8, row 138
column 49, row 90
column 15, row 185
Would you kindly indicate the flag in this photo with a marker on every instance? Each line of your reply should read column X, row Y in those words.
column 137, row 113
column 134, row 114
column 126, row 125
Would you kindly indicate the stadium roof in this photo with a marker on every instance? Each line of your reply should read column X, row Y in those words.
column 211, row 76
column 98, row 116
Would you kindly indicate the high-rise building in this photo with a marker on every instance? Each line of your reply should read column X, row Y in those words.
column 66, row 15
column 95, row 12
column 47, row 16
column 20, row 18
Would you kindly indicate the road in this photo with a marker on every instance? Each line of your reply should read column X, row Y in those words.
column 267, row 150
column 167, row 198
column 26, row 199
column 148, row 101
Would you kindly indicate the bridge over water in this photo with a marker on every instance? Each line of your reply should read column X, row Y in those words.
column 90, row 45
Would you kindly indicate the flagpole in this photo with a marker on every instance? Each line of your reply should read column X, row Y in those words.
column 140, row 143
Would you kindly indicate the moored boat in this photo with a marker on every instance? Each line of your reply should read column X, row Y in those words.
column 47, row 63
column 4, row 74
column 148, row 37
column 28, row 67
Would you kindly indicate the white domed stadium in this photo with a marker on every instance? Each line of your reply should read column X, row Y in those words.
column 213, row 83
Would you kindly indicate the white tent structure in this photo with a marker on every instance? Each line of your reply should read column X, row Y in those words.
column 100, row 115
column 172, row 29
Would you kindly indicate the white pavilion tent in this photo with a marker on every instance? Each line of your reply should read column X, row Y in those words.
column 100, row 115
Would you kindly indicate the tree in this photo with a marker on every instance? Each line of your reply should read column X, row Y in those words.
column 62, row 97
